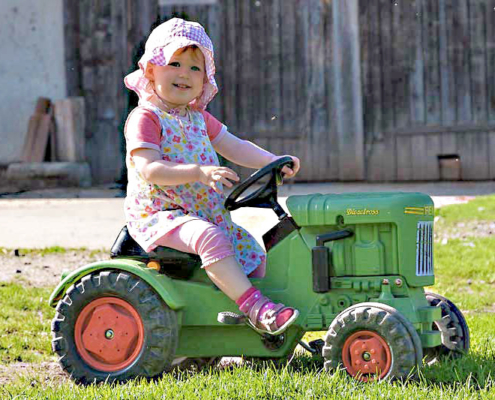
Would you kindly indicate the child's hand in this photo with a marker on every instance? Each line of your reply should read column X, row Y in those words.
column 210, row 175
column 289, row 172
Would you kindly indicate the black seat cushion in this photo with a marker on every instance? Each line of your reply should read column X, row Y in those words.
column 175, row 263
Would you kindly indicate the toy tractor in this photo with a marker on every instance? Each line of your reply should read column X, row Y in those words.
column 354, row 265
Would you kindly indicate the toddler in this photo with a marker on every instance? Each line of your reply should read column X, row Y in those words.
column 174, row 195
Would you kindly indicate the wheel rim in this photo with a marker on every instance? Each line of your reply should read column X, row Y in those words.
column 109, row 334
column 366, row 356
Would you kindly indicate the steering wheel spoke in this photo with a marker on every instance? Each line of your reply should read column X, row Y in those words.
column 265, row 196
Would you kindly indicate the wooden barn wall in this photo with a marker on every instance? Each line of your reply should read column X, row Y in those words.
column 275, row 85
column 428, row 87
column 101, row 36
column 427, row 84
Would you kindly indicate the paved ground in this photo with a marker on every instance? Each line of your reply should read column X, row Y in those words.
column 93, row 217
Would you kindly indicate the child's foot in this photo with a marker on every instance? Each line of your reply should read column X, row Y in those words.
column 264, row 315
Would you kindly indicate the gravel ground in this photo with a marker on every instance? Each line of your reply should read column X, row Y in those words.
column 43, row 270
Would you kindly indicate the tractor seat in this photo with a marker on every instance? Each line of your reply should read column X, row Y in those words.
column 174, row 263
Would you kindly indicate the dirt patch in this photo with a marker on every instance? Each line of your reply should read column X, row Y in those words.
column 464, row 230
column 41, row 373
column 44, row 270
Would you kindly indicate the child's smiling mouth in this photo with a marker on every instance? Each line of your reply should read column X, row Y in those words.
column 181, row 86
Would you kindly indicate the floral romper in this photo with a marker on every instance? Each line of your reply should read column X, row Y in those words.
column 153, row 210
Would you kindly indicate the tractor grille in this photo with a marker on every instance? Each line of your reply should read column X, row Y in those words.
column 424, row 249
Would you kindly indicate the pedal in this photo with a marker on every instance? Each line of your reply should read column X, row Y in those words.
column 231, row 318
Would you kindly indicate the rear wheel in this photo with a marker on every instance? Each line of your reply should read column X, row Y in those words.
column 452, row 326
column 372, row 341
column 113, row 326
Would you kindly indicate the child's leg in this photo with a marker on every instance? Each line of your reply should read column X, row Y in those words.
column 210, row 243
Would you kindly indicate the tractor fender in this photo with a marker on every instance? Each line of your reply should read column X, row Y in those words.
column 163, row 285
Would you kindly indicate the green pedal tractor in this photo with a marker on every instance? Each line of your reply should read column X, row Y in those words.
column 354, row 265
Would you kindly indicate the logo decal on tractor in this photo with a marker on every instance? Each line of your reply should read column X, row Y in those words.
column 353, row 211
column 426, row 210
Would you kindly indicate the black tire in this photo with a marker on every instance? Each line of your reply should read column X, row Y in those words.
column 453, row 328
column 159, row 323
column 386, row 326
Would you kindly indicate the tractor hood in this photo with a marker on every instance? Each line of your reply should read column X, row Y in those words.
column 349, row 208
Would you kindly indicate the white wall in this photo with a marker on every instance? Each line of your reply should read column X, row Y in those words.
column 31, row 65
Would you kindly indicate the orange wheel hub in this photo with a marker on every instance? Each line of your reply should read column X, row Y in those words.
column 109, row 334
column 366, row 356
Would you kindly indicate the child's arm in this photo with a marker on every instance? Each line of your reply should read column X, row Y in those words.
column 159, row 172
column 248, row 154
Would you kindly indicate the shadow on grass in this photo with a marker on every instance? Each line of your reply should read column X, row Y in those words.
column 473, row 370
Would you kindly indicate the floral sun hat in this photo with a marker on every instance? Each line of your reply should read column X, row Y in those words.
column 162, row 43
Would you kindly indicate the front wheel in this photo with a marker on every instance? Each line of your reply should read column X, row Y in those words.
column 452, row 326
column 372, row 341
column 113, row 326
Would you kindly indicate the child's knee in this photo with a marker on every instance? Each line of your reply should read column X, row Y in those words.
column 213, row 244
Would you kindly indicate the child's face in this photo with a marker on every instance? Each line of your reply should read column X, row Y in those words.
column 181, row 81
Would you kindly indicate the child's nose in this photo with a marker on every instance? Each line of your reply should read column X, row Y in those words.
column 183, row 73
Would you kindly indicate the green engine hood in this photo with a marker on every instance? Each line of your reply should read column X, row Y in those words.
column 350, row 208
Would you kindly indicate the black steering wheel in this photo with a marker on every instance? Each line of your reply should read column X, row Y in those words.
column 264, row 197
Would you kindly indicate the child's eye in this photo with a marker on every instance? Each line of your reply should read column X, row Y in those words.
column 196, row 68
column 174, row 64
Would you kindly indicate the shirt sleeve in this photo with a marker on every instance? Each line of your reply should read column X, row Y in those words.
column 214, row 128
column 142, row 130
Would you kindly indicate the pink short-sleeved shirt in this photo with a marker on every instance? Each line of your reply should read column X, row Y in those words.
column 145, row 131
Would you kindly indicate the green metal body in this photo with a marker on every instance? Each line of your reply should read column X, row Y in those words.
column 384, row 247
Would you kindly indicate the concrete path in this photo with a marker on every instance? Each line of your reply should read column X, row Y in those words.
column 92, row 218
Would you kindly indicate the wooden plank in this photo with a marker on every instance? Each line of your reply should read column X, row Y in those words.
column 332, row 147
column 419, row 158
column 70, row 126
column 316, row 91
column 490, row 58
column 404, row 159
column 214, row 18
column 387, row 160
column 449, row 143
column 491, row 155
column 246, row 93
column 403, row 28
column 447, row 51
column 474, row 156
column 302, row 75
column 366, row 82
column 381, row 149
column 230, row 65
column 481, row 156
column 272, row 20
column 37, row 136
column 477, row 23
column 461, row 61
column 371, row 86
column 376, row 120
column 386, row 35
column 41, row 138
column 259, row 65
column 432, row 74
column 433, row 150
column 348, row 93
column 417, row 80
column 289, row 59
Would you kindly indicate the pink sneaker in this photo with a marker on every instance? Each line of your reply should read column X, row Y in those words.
column 264, row 316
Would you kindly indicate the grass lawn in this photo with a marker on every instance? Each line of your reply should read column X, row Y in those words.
column 465, row 273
